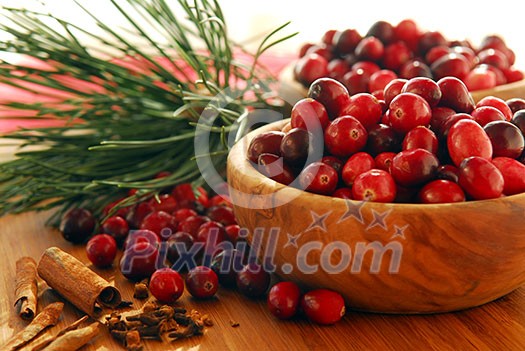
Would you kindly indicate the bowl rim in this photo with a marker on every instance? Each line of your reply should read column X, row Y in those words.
column 237, row 159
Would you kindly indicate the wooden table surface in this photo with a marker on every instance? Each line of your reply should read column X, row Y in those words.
column 499, row 325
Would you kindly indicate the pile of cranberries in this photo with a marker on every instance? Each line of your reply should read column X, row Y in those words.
column 155, row 234
column 426, row 142
column 367, row 63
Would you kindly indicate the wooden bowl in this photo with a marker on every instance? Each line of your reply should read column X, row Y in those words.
column 393, row 258
column 292, row 91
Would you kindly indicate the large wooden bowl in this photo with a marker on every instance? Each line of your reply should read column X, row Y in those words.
column 291, row 90
column 434, row 258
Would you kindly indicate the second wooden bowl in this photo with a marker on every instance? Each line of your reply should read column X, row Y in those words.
column 394, row 258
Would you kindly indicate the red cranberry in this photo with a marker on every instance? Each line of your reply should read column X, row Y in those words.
column 346, row 41
column 309, row 114
column 138, row 213
column 232, row 232
column 374, row 185
column 343, row 193
column 365, row 108
column 494, row 58
column 268, row 142
column 384, row 161
column 139, row 261
column 515, row 104
column 323, row 306
column 122, row 211
column 370, row 48
column 202, row 282
column 166, row 285
column 480, row 178
column 211, row 233
column 480, row 79
column 101, row 250
column 415, row 68
column 393, row 89
column 441, row 191
column 407, row 31
column 368, row 67
column 507, row 139
column 424, row 87
column 382, row 30
column 437, row 52
column 451, row 65
column 421, row 138
column 321, row 50
column 310, row 67
column 295, row 146
column 382, row 138
column 183, row 213
column 380, row 79
column 222, row 214
column 117, row 227
column 175, row 244
column 414, row 167
column 253, row 281
column 345, row 136
column 357, row 163
column 319, row 178
column 77, row 225
column 467, row 138
column 161, row 223
column 451, row 120
column 220, row 200
column 454, row 94
column 283, row 300
column 332, row 94
column 486, row 114
column 408, row 111
column 497, row 103
column 191, row 224
column 512, row 172
column 356, row 81
column 274, row 168
column 395, row 55
column 337, row 69
column 519, row 120
column 164, row 202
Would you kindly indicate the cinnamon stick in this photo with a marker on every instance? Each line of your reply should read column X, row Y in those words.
column 74, row 339
column 26, row 287
column 48, row 317
column 42, row 344
column 77, row 283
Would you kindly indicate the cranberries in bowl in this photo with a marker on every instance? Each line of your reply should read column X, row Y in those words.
column 424, row 218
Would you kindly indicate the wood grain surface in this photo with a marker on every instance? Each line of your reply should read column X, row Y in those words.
column 499, row 325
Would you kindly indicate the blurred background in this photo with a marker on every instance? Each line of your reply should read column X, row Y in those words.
column 251, row 20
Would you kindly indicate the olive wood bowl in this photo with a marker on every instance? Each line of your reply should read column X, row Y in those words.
column 292, row 91
column 402, row 258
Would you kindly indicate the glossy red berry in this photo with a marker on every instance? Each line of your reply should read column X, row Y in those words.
column 345, row 136
column 309, row 114
column 192, row 224
column 295, row 146
column 253, row 281
column 77, row 225
column 310, row 67
column 506, row 139
column 515, row 104
column 101, row 250
column 284, row 299
column 331, row 94
column 222, row 214
column 455, row 95
column 407, row 111
column 343, row 193
column 497, row 103
column 274, row 168
column 319, row 178
column 424, row 87
column 411, row 168
column 366, row 108
column 357, row 163
column 370, row 49
column 441, row 191
column 346, row 41
column 183, row 213
column 139, row 261
column 323, row 306
column 117, row 227
column 374, row 185
column 164, row 202
column 380, row 79
column 161, row 223
column 467, row 138
column 421, row 138
column 513, row 173
column 480, row 178
column 176, row 243
column 202, row 282
column 268, row 142
column 166, row 285
column 486, row 114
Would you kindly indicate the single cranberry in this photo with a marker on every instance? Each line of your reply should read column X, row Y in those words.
column 122, row 211
column 268, row 142
column 253, row 281
column 183, row 213
column 455, row 95
column 328, row 36
column 365, row 108
column 374, row 185
column 437, row 52
column 346, row 41
column 77, row 225
column 138, row 213
column 322, row 50
column 166, row 285
column 139, row 261
column 345, row 136
column 274, row 168
column 183, row 191
column 232, row 232
column 384, row 161
column 226, row 264
column 424, row 87
column 480, row 79
column 323, row 306
column 486, row 114
column 370, row 48
column 395, row 55
column 356, row 81
column 309, row 114
column 512, row 172
column 447, row 172
column 519, row 120
column 310, row 67
column 191, row 224
column 380, row 79
column 407, row 111
column 497, row 103
column 211, row 233
column 319, row 178
column 332, row 94
column 414, row 167
column 450, row 65
column 466, row 138
column 415, row 68
column 161, row 223
column 334, row 162
column 368, row 67
column 164, row 202
column 480, row 178
column 382, row 138
column 343, row 193
column 421, row 138
column 441, row 191
column 283, row 300
column 117, row 227
column 202, row 282
column 407, row 31
column 494, row 58
column 101, row 250
column 507, row 139
column 393, row 89
column 177, row 243
column 295, row 146
column 222, row 199
column 357, row 163
column 222, row 214
column 337, row 69
column 515, row 104
column 382, row 30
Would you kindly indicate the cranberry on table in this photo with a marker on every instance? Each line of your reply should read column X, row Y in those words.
column 202, row 282
column 178, row 242
column 139, row 261
column 226, row 264
column 268, row 142
column 284, row 299
column 407, row 111
column 101, row 250
column 166, row 285
column 77, row 225
column 513, row 173
column 253, row 281
column 441, row 191
column 345, row 136
column 467, row 138
column 414, row 167
column 374, row 185
column 323, row 306
column 480, row 178
column 319, row 178
column 507, row 139
column 117, row 227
